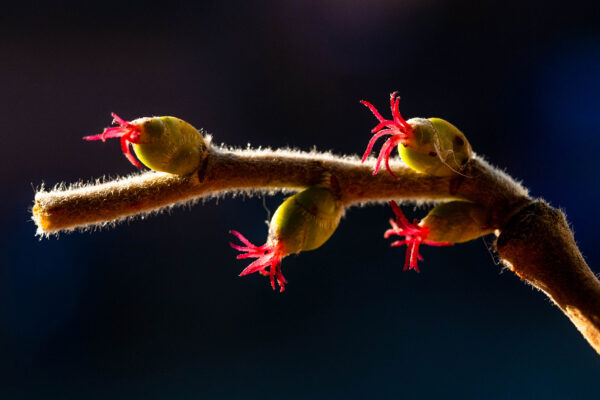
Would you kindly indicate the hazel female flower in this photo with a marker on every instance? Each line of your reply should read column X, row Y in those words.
column 127, row 131
column 397, row 127
column 268, row 256
column 446, row 224
column 165, row 144
column 428, row 145
column 303, row 222
column 414, row 234
column 436, row 148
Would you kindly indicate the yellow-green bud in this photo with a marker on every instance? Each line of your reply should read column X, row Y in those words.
column 436, row 147
column 446, row 224
column 169, row 144
column 306, row 220
column 431, row 146
column 302, row 222
column 456, row 222
column 165, row 144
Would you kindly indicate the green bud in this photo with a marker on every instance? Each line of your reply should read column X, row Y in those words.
column 436, row 147
column 302, row 222
column 456, row 222
column 169, row 144
column 306, row 220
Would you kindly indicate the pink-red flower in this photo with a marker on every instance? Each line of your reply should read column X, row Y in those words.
column 397, row 127
column 414, row 236
column 127, row 131
column 268, row 259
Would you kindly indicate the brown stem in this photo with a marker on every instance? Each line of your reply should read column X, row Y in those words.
column 535, row 241
column 252, row 170
column 539, row 247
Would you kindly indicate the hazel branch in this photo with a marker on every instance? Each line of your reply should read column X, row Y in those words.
column 538, row 246
column 534, row 239
column 225, row 170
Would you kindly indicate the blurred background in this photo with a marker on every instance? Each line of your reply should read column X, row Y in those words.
column 154, row 309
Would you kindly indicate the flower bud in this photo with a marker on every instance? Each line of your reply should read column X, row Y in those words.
column 457, row 222
column 436, row 147
column 303, row 222
column 306, row 220
column 169, row 144
column 431, row 146
column 446, row 224
column 165, row 144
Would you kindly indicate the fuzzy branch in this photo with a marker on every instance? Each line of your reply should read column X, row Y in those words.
column 535, row 240
column 223, row 171
column 539, row 247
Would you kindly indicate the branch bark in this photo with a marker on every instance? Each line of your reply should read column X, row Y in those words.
column 535, row 240
column 538, row 246
column 225, row 170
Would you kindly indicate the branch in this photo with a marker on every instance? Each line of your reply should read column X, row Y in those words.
column 535, row 240
column 223, row 171
column 539, row 247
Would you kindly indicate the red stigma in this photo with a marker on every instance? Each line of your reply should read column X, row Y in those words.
column 397, row 127
column 414, row 236
column 268, row 255
column 128, row 132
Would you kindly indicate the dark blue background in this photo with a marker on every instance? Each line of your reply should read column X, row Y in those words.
column 154, row 309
